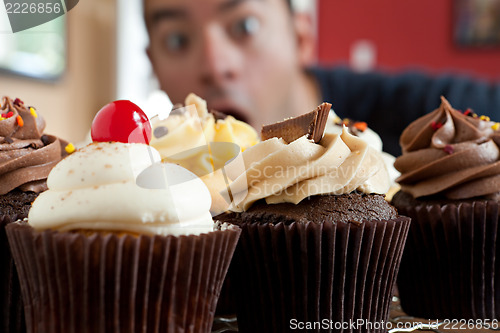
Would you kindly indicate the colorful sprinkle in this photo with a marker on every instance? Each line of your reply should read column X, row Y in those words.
column 8, row 114
column 448, row 149
column 469, row 112
column 495, row 126
column 70, row 148
column 2, row 118
column 435, row 125
column 18, row 102
column 20, row 121
column 33, row 112
column 485, row 118
column 360, row 125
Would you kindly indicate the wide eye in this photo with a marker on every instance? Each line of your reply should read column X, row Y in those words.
column 176, row 42
column 245, row 27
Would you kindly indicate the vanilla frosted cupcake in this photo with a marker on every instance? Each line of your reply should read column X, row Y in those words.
column 117, row 187
column 319, row 242
column 202, row 142
column 121, row 243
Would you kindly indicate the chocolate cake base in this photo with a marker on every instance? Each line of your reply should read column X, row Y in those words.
column 449, row 268
column 16, row 204
column 327, row 260
column 353, row 207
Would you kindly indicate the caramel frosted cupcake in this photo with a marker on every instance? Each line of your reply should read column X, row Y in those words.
column 319, row 243
column 450, row 185
column 26, row 158
column 202, row 142
column 121, row 243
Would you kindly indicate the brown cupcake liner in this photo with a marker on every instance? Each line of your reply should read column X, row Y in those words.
column 449, row 267
column 226, row 305
column 316, row 273
column 11, row 304
column 73, row 282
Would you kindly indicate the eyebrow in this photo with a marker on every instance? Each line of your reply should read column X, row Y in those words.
column 230, row 4
column 167, row 13
column 180, row 13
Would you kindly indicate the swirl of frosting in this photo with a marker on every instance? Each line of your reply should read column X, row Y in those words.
column 193, row 138
column 183, row 137
column 115, row 187
column 26, row 155
column 450, row 154
column 279, row 172
column 335, row 125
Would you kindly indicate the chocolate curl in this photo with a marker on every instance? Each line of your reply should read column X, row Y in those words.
column 311, row 124
column 110, row 283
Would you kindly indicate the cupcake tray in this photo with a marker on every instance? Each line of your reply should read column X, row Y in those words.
column 397, row 315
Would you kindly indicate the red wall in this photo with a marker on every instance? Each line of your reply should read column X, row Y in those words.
column 407, row 34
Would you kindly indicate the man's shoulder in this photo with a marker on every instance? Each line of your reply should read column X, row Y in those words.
column 390, row 86
column 342, row 72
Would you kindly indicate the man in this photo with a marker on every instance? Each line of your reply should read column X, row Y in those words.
column 252, row 59
column 245, row 57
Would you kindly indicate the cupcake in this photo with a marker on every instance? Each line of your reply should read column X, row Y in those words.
column 120, row 242
column 450, row 187
column 320, row 246
column 26, row 158
column 202, row 142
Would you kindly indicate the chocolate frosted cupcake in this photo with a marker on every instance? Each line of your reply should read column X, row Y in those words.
column 26, row 158
column 114, row 246
column 318, row 244
column 450, row 188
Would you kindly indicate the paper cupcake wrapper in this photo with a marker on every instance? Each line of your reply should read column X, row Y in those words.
column 11, row 305
column 226, row 305
column 73, row 282
column 449, row 267
column 312, row 272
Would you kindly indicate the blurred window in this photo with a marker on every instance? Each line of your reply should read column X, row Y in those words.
column 38, row 52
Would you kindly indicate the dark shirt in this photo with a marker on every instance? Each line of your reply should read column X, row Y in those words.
column 389, row 102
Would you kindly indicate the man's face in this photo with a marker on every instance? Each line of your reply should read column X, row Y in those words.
column 240, row 55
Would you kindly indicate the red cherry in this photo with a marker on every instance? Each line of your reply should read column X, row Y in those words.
column 121, row 121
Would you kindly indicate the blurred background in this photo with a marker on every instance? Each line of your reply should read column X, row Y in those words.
column 72, row 66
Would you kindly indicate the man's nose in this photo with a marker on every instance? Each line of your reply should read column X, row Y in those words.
column 220, row 57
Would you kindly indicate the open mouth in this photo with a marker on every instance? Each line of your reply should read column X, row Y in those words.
column 230, row 112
